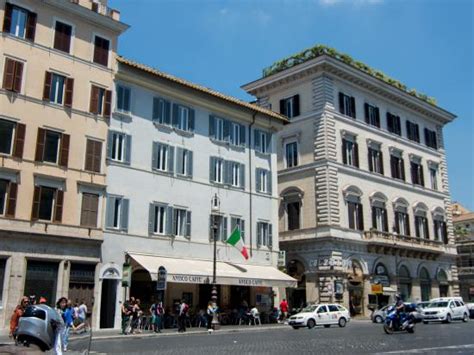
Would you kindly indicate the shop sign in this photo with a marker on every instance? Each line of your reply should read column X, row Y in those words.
column 191, row 279
column 126, row 275
column 161, row 279
column 250, row 282
column 377, row 288
column 471, row 290
column 382, row 280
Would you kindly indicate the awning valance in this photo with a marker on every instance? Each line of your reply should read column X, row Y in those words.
column 200, row 272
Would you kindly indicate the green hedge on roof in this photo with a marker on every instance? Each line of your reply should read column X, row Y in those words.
column 320, row 50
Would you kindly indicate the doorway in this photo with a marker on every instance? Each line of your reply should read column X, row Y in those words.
column 107, row 303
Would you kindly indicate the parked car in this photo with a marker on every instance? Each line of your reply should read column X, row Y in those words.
column 445, row 310
column 470, row 307
column 379, row 315
column 320, row 314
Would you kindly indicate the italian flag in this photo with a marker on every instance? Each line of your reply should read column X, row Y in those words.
column 235, row 239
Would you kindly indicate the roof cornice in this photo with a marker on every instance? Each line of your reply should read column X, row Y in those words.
column 327, row 64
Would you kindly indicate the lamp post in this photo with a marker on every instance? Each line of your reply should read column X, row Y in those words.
column 215, row 208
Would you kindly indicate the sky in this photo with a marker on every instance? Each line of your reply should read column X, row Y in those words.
column 425, row 44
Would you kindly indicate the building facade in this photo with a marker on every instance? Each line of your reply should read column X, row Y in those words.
column 364, row 197
column 463, row 221
column 57, row 63
column 173, row 146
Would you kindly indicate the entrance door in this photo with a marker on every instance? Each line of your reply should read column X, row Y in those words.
column 81, row 284
column 41, row 280
column 443, row 290
column 356, row 297
column 107, row 303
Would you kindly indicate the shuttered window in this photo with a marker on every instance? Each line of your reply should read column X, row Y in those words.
column 413, row 132
column 12, row 138
column 119, row 147
column 184, row 162
column 372, row 115
column 19, row 22
column 393, row 124
column 263, row 181
column 89, row 210
column 430, row 139
column 224, row 130
column 117, row 213
column 161, row 111
column 262, row 141
column 347, row 105
column 58, row 89
column 13, row 75
column 101, row 50
column 62, row 36
column 100, row 101
column 356, row 216
column 47, row 204
column 218, row 228
column 123, row 99
column 237, row 222
column 290, row 106
column 93, row 155
column 350, row 152
column 52, row 147
column 264, row 234
column 183, row 118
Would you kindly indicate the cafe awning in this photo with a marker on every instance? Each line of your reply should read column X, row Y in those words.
column 195, row 271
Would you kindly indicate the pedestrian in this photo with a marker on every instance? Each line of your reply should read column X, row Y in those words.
column 17, row 314
column 159, row 313
column 136, row 316
column 61, row 335
column 126, row 314
column 211, row 310
column 284, row 309
column 81, row 313
column 67, row 313
column 183, row 313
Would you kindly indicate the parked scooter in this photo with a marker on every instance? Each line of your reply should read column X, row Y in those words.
column 398, row 323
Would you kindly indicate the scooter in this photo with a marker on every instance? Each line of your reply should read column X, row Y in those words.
column 393, row 323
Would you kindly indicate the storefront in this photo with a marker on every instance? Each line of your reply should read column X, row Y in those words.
column 380, row 285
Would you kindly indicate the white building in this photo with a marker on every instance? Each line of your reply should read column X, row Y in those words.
column 172, row 146
column 365, row 203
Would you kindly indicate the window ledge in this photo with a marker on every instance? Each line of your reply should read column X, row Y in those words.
column 262, row 155
column 163, row 126
column 183, row 132
column 127, row 115
column 161, row 172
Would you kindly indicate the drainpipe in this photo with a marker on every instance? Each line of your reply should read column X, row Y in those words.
column 250, row 184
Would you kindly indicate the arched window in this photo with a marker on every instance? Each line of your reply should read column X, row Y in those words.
column 439, row 223
column 401, row 218
column 404, row 282
column 292, row 203
column 352, row 197
column 379, row 212
column 425, row 284
column 421, row 221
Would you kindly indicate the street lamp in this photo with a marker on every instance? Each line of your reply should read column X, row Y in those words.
column 215, row 208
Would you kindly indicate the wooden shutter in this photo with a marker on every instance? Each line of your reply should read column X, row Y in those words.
column 85, row 209
column 282, row 107
column 353, row 107
column 97, row 157
column 18, row 77
column 64, row 152
column 385, row 220
column 380, row 156
column 377, row 117
column 390, row 122
column 356, row 155
column 36, row 203
column 9, row 74
column 296, row 105
column 341, row 103
column 188, row 225
column 124, row 214
column 47, row 86
column 58, row 208
column 226, row 131
column 374, row 217
column 170, row 159
column 94, row 103
column 107, row 103
column 175, row 115
column 360, row 217
column 151, row 219
column 259, row 234
column 212, row 126
column 257, row 143
column 270, row 235
column 31, row 27
column 11, row 202
column 158, row 108
column 212, row 169
column 190, row 163
column 422, row 176
column 366, row 109
column 191, row 120
column 7, row 17
column 402, row 169
column 344, row 151
column 369, row 155
column 40, row 144
column 20, row 131
column 89, row 155
column 243, row 135
column 69, row 92
column 128, row 149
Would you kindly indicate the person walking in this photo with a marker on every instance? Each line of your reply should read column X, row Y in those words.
column 183, row 313
column 60, row 344
column 284, row 309
column 67, row 313
column 17, row 314
column 126, row 313
column 159, row 313
column 211, row 310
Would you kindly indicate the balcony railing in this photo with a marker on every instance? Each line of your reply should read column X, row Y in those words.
column 466, row 270
column 405, row 240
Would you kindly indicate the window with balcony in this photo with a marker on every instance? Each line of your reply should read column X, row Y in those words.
column 413, row 131
column 350, row 151
column 291, row 154
column 394, row 124
column 375, row 159
column 421, row 227
column 62, row 36
column 397, row 166
column 19, row 22
column 356, row 216
column 290, row 106
column 417, row 176
column 372, row 115
column 440, row 226
column 264, row 234
column 347, row 105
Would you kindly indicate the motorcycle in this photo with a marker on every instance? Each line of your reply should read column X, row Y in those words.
column 395, row 323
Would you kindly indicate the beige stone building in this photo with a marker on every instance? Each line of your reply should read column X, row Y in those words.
column 463, row 221
column 57, row 63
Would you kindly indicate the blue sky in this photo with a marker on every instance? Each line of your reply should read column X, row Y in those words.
column 426, row 44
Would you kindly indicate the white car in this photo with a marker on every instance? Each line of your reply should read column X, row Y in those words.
column 320, row 314
column 445, row 309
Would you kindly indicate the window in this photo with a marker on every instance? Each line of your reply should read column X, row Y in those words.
column 430, row 139
column 264, row 234
column 262, row 141
column 379, row 217
column 264, row 183
column 417, row 173
column 236, row 172
column 217, row 170
column 434, row 177
column 183, row 118
column 226, row 131
column 184, row 164
column 413, row 132
column 290, row 106
column 350, row 152
column 117, row 213
column 52, row 147
column 440, row 230
column 93, row 155
column 100, row 101
column 181, row 222
column 58, row 89
column 161, row 111
column 402, row 221
column 372, row 115
column 293, row 210
column 3, row 195
column 62, row 36
column 218, row 128
column 119, row 147
column 218, row 228
column 237, row 134
column 163, row 157
column 8, row 197
column 375, row 160
column 101, row 50
column 421, row 226
column 393, row 124
column 47, row 204
column 397, row 167
column 12, row 75
column 356, row 217
column 159, row 219
column 2, row 278
column 291, row 153
column 7, row 130
column 89, row 211
column 123, row 99
column 347, row 105
column 237, row 222
column 19, row 22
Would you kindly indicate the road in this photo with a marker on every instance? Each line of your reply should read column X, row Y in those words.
column 357, row 338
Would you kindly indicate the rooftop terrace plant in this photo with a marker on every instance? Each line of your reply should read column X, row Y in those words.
column 320, row 50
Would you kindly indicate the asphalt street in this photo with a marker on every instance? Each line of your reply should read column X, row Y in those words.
column 357, row 338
